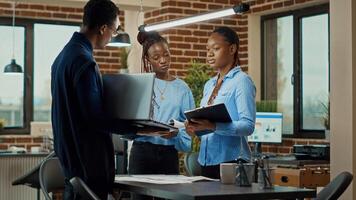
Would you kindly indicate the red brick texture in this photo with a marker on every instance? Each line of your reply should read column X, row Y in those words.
column 20, row 141
column 189, row 42
column 287, row 145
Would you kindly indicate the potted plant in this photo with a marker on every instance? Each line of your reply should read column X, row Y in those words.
column 266, row 106
column 198, row 74
column 2, row 123
column 123, row 60
column 326, row 117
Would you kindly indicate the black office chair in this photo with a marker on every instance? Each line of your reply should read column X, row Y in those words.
column 81, row 189
column 51, row 177
column 31, row 177
column 336, row 187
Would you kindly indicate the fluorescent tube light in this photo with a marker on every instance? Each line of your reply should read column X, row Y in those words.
column 197, row 18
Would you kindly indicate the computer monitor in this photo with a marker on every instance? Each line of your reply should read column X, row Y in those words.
column 268, row 129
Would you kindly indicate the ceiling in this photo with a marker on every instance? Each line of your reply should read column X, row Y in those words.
column 123, row 4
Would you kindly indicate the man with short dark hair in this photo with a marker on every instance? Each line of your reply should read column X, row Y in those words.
column 81, row 137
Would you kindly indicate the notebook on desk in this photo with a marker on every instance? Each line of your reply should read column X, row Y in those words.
column 129, row 97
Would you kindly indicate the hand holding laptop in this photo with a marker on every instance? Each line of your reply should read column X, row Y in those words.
column 164, row 134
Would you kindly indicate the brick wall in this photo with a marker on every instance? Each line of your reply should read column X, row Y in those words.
column 20, row 141
column 186, row 43
column 287, row 145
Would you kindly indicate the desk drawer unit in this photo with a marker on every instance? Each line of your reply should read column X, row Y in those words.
column 301, row 177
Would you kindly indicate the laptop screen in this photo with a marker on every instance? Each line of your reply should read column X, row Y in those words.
column 128, row 96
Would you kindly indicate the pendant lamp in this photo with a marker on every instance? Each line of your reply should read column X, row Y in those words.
column 13, row 67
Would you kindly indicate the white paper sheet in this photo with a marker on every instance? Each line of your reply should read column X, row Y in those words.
column 162, row 179
column 176, row 123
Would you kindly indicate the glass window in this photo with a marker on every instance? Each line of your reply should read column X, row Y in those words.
column 49, row 40
column 296, row 68
column 12, row 85
column 315, row 70
column 279, row 67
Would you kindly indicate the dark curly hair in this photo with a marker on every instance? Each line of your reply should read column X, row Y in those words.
column 99, row 12
column 147, row 39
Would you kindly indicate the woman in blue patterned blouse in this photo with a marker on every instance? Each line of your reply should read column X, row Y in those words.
column 154, row 154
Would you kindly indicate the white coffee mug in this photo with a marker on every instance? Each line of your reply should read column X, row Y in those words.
column 228, row 173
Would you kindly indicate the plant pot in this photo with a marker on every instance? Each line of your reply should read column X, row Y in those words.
column 191, row 164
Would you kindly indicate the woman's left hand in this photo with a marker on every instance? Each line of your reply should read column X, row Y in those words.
column 202, row 125
column 169, row 134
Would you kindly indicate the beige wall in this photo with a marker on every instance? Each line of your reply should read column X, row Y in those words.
column 342, row 91
column 133, row 19
column 254, row 52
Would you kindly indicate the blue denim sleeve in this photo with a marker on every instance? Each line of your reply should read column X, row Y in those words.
column 183, row 140
column 246, row 107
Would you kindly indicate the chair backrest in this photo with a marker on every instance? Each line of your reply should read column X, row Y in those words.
column 336, row 187
column 191, row 164
column 31, row 177
column 82, row 189
column 51, row 177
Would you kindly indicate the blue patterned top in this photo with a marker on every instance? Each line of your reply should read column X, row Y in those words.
column 172, row 99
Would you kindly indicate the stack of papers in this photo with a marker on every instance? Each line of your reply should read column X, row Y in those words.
column 162, row 179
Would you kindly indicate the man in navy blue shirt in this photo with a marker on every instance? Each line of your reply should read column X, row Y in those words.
column 82, row 139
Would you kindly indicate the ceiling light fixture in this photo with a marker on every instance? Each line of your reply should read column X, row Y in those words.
column 238, row 9
column 121, row 40
column 13, row 67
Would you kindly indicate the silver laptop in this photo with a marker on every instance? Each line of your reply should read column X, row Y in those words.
column 129, row 97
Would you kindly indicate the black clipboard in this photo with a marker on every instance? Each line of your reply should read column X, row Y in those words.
column 214, row 113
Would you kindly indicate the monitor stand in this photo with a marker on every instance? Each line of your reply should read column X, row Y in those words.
column 257, row 150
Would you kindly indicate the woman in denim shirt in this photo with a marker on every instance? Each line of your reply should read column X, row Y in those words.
column 226, row 142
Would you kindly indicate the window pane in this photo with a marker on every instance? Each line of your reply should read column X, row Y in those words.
column 12, row 85
column 315, row 70
column 49, row 40
column 278, row 60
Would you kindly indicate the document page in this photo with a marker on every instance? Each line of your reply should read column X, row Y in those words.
column 162, row 179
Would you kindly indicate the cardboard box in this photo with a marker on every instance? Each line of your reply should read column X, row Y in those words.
column 309, row 177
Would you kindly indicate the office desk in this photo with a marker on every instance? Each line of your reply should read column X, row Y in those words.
column 213, row 190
